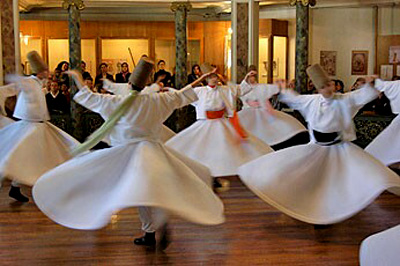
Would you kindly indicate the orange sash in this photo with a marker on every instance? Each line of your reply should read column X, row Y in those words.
column 233, row 120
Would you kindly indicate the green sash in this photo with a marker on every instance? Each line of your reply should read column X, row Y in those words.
column 100, row 133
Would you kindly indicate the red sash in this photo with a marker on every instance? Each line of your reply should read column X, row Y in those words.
column 233, row 120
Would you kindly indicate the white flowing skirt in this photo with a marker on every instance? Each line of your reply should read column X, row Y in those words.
column 271, row 128
column 5, row 121
column 166, row 134
column 84, row 192
column 319, row 184
column 28, row 150
column 382, row 249
column 386, row 146
column 217, row 145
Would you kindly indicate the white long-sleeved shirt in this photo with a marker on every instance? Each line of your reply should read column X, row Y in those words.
column 144, row 119
column 392, row 91
column 333, row 114
column 218, row 98
column 31, row 102
column 125, row 88
column 260, row 94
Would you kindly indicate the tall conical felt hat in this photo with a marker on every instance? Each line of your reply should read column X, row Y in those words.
column 142, row 72
column 36, row 62
column 252, row 68
column 318, row 76
column 206, row 67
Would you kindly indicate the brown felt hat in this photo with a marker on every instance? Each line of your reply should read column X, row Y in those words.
column 142, row 72
column 36, row 62
column 206, row 67
column 318, row 76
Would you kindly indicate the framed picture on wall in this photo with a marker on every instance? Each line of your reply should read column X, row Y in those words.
column 359, row 62
column 328, row 62
column 394, row 54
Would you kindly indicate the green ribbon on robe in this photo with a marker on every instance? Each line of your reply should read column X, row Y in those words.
column 100, row 133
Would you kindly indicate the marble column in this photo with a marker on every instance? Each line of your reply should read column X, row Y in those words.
column 74, row 8
column 7, row 36
column 181, row 10
column 302, row 39
column 240, row 39
column 254, row 19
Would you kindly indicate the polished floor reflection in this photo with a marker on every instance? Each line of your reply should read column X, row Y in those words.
column 254, row 234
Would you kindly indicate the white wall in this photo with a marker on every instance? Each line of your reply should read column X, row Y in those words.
column 333, row 29
column 343, row 30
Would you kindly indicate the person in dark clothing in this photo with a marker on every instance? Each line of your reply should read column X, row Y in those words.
column 196, row 73
column 60, row 70
column 85, row 74
column 56, row 101
column 161, row 71
column 123, row 77
column 339, row 86
column 103, row 69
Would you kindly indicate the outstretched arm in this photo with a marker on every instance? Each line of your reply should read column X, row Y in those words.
column 117, row 88
column 245, row 87
column 103, row 104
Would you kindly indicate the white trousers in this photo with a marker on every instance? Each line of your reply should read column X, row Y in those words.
column 13, row 183
column 152, row 218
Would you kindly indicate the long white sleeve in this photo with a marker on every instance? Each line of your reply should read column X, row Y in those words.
column 117, row 88
column 103, row 104
column 392, row 91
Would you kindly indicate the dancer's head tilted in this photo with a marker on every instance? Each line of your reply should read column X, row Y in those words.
column 38, row 66
column 141, row 74
column 324, row 84
column 212, row 79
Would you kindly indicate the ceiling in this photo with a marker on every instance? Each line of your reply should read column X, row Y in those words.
column 160, row 9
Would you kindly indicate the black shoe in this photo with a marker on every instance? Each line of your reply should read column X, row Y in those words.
column 165, row 238
column 15, row 193
column 149, row 239
column 220, row 184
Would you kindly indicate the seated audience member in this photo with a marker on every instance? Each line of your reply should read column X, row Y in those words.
column 292, row 84
column 339, row 86
column 66, row 92
column 311, row 88
column 103, row 69
column 85, row 74
column 89, row 83
column 123, row 77
column 358, row 84
column 56, row 101
column 161, row 71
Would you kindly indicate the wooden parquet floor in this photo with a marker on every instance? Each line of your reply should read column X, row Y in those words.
column 254, row 234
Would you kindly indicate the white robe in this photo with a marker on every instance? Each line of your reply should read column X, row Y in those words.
column 31, row 146
column 215, row 143
column 138, row 170
column 386, row 146
column 124, row 89
column 321, row 184
column 5, row 92
column 381, row 249
column 273, row 128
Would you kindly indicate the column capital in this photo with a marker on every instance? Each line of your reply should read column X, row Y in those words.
column 179, row 5
column 77, row 3
column 303, row 2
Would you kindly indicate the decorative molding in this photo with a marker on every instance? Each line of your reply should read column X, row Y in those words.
column 303, row 2
column 77, row 3
column 179, row 5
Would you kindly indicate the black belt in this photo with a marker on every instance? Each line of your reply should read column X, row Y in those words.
column 327, row 139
